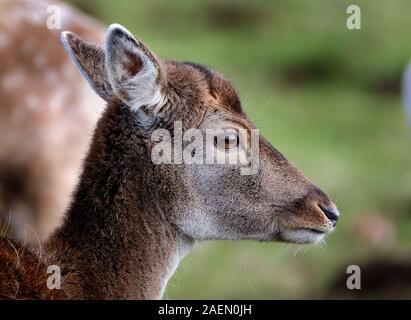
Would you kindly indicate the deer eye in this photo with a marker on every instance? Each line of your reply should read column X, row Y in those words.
column 226, row 140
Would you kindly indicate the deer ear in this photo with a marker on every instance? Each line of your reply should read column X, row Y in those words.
column 133, row 70
column 89, row 59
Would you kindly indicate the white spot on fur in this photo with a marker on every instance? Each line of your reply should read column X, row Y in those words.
column 32, row 102
column 13, row 80
column 33, row 13
column 51, row 76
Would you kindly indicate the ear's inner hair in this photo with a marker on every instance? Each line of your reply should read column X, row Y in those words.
column 133, row 64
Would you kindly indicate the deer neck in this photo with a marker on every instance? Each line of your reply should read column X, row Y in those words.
column 117, row 252
column 117, row 241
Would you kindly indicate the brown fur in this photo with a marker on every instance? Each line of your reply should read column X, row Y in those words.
column 130, row 219
column 22, row 275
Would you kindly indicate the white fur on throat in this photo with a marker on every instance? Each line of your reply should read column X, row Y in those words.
column 181, row 251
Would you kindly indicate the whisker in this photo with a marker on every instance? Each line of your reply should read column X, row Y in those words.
column 17, row 254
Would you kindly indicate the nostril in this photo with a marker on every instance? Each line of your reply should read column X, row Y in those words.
column 330, row 213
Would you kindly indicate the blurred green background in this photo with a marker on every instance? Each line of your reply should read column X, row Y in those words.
column 329, row 99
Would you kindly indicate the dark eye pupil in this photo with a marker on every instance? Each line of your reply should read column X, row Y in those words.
column 228, row 141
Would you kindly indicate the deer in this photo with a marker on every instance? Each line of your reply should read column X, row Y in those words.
column 48, row 114
column 131, row 221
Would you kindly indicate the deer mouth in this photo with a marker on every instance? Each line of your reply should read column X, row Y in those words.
column 305, row 235
column 313, row 230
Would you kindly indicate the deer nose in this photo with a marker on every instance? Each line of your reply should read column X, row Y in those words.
column 330, row 213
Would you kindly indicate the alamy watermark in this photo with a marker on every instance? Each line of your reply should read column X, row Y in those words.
column 354, row 278
column 54, row 280
column 53, row 17
column 353, row 21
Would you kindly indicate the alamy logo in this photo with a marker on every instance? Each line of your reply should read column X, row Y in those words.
column 354, row 280
column 54, row 280
column 54, row 17
column 354, row 19
column 217, row 146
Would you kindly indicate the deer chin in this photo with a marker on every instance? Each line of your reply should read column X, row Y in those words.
column 305, row 235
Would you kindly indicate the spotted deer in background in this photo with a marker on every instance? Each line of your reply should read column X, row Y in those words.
column 131, row 221
column 47, row 116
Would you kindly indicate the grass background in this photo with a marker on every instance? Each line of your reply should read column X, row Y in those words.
column 327, row 97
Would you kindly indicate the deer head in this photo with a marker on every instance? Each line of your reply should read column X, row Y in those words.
column 202, row 201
